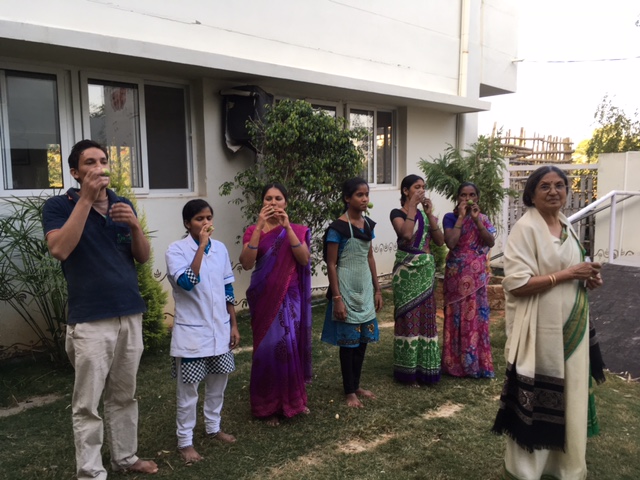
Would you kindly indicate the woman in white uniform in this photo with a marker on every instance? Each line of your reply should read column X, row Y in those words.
column 205, row 329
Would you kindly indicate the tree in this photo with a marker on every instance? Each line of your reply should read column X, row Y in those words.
column 311, row 154
column 154, row 330
column 616, row 131
column 482, row 164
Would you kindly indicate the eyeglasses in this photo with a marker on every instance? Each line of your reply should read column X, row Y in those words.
column 546, row 187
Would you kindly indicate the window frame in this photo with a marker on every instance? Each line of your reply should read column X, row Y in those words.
column 65, row 119
column 188, row 135
column 394, row 141
column 85, row 77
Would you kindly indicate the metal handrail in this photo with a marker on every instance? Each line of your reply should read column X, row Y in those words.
column 585, row 212
column 612, row 196
column 590, row 209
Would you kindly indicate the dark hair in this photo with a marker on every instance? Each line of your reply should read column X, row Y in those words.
column 468, row 184
column 534, row 180
column 349, row 188
column 81, row 146
column 407, row 182
column 277, row 185
column 192, row 208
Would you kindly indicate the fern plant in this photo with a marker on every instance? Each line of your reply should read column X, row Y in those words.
column 482, row 163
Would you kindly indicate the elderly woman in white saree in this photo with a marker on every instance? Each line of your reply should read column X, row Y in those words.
column 545, row 407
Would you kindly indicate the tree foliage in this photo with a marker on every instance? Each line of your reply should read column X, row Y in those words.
column 616, row 132
column 482, row 163
column 154, row 330
column 311, row 154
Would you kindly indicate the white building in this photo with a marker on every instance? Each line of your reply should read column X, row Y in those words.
column 146, row 75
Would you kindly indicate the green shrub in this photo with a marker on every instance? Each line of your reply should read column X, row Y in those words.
column 311, row 154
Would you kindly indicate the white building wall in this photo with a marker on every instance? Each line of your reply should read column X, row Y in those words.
column 499, row 27
column 412, row 44
column 404, row 55
column 619, row 171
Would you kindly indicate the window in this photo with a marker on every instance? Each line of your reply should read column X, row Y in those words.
column 145, row 128
column 378, row 145
column 114, row 121
column 326, row 109
column 30, row 131
column 166, row 115
column 144, row 125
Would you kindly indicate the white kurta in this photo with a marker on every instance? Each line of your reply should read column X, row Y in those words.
column 535, row 341
column 202, row 326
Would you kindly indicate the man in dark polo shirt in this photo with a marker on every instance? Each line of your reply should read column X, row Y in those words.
column 96, row 235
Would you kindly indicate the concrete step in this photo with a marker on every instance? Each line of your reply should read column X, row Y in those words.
column 615, row 310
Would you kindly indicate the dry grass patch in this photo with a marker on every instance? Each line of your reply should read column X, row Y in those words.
column 443, row 411
column 29, row 403
column 360, row 446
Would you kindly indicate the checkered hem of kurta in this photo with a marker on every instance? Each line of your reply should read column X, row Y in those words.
column 194, row 370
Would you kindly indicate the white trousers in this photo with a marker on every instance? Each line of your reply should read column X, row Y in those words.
column 187, row 400
column 105, row 355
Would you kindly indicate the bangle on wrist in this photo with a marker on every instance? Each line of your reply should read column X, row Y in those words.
column 553, row 279
column 409, row 219
column 296, row 246
column 336, row 297
column 459, row 227
column 251, row 247
column 434, row 229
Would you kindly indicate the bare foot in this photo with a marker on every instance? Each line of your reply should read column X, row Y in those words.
column 145, row 466
column 352, row 401
column 306, row 411
column 189, row 454
column 361, row 392
column 414, row 385
column 223, row 437
column 272, row 421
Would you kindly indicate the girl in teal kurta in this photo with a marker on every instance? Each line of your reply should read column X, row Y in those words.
column 355, row 297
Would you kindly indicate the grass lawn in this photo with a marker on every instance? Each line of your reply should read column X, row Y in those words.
column 439, row 432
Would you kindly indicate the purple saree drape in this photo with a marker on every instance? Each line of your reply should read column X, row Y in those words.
column 280, row 304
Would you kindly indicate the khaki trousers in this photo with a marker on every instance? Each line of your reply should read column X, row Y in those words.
column 105, row 355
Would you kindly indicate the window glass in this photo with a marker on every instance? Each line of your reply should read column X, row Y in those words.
column 364, row 119
column 384, row 147
column 32, row 158
column 327, row 109
column 114, row 121
column 166, row 125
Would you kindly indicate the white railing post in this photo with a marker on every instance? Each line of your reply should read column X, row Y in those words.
column 612, row 228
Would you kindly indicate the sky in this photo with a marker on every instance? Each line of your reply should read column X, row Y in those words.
column 560, row 85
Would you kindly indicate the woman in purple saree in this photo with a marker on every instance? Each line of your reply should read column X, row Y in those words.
column 280, row 304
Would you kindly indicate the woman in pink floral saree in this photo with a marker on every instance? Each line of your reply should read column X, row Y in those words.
column 469, row 236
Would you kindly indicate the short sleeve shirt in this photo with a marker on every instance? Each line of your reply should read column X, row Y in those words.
column 101, row 275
